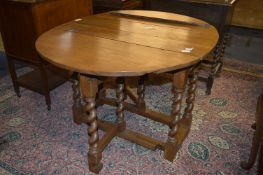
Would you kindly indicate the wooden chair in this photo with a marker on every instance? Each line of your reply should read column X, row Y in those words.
column 216, row 12
column 21, row 22
column 257, row 143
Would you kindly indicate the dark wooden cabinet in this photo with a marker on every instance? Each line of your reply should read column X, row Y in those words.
column 248, row 14
column 21, row 22
column 216, row 12
column 100, row 6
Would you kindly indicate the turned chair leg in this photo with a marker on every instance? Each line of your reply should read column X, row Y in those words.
column 12, row 70
column 221, row 54
column 120, row 93
column 171, row 146
column 217, row 64
column 89, row 89
column 257, row 138
column 211, row 77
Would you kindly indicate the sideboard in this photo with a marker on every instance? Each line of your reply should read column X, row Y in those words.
column 21, row 22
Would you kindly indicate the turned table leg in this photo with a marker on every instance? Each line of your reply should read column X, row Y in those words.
column 89, row 88
column 77, row 106
column 141, row 92
column 120, row 104
column 171, row 146
column 192, row 80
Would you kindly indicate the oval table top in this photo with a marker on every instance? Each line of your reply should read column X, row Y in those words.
column 128, row 43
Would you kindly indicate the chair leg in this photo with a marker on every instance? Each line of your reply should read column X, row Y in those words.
column 11, row 67
column 260, row 160
column 221, row 63
column 253, row 152
column 210, row 80
column 221, row 54
column 44, row 77
column 209, row 85
column 256, row 143
column 211, row 77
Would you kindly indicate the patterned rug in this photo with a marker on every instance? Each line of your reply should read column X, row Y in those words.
column 41, row 142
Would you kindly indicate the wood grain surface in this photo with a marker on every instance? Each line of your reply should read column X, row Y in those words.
column 110, row 45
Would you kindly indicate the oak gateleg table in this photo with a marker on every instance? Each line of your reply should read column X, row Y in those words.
column 123, row 44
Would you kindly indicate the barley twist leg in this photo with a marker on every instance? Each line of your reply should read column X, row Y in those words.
column 173, row 144
column 120, row 104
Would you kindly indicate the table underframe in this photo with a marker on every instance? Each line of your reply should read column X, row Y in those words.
column 89, row 93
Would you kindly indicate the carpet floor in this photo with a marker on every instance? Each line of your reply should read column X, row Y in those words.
column 41, row 142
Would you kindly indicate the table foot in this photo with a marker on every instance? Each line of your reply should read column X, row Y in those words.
column 94, row 163
column 170, row 151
